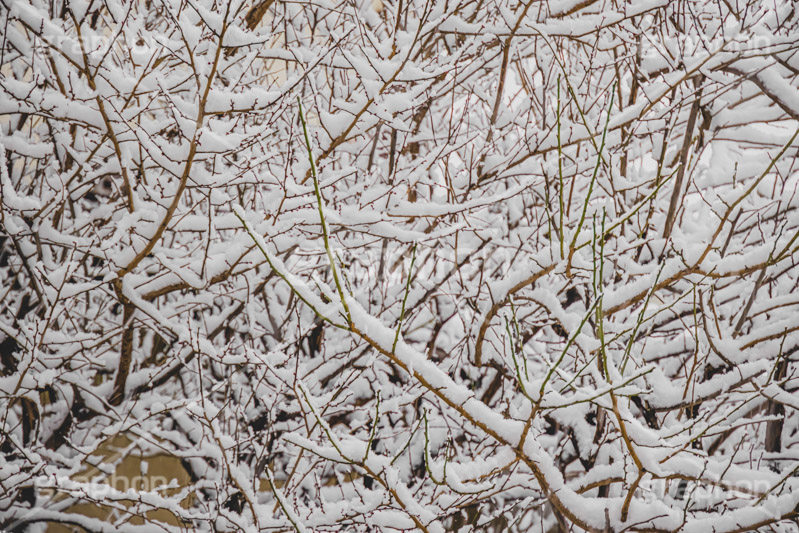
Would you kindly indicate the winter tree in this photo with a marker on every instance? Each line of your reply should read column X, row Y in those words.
column 434, row 265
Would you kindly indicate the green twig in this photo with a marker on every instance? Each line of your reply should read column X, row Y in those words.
column 320, row 205
column 374, row 429
column 404, row 300
column 593, row 180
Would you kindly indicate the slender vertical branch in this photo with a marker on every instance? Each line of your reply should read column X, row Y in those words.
column 320, row 205
column 404, row 300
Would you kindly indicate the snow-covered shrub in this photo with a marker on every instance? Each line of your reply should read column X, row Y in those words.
column 437, row 265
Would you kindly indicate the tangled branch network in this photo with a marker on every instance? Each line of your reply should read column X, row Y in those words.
column 399, row 265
